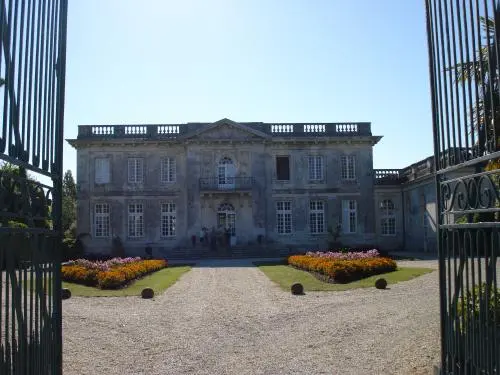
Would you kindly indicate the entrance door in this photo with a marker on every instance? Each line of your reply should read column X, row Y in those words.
column 225, row 174
column 226, row 219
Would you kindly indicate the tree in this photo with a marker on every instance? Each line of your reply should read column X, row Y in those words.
column 68, row 201
column 483, row 71
column 15, row 189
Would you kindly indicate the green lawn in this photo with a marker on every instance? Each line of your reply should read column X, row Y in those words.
column 285, row 276
column 159, row 281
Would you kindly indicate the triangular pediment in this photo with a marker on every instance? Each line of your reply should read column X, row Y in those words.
column 226, row 129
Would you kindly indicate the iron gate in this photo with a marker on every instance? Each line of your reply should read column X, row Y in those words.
column 463, row 41
column 32, row 78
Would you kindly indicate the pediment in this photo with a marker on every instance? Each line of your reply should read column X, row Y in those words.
column 227, row 130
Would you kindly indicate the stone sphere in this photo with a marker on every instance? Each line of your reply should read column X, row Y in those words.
column 147, row 293
column 380, row 283
column 65, row 293
column 297, row 289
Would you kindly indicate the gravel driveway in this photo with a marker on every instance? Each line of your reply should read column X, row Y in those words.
column 227, row 317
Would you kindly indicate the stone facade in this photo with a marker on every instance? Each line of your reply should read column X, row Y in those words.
column 283, row 185
column 280, row 184
column 412, row 191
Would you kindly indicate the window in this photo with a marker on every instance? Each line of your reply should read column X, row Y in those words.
column 168, row 170
column 282, row 168
column 315, row 168
column 135, row 170
column 168, row 219
column 135, row 220
column 102, row 171
column 284, row 217
column 348, row 167
column 101, row 220
column 317, row 216
column 349, row 216
column 387, row 218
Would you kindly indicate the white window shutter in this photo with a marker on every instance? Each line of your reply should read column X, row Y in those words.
column 102, row 171
column 131, row 170
column 173, row 166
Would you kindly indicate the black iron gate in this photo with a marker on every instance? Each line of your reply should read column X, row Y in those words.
column 32, row 72
column 463, row 40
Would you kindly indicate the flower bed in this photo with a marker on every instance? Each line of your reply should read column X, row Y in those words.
column 344, row 255
column 112, row 274
column 343, row 270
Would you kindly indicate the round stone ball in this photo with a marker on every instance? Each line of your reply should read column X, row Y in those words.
column 147, row 293
column 381, row 283
column 297, row 289
column 65, row 293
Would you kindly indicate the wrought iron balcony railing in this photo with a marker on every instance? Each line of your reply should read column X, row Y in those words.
column 226, row 184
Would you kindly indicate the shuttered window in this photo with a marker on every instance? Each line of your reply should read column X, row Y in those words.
column 102, row 171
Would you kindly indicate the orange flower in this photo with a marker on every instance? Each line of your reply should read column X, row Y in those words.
column 113, row 278
column 343, row 270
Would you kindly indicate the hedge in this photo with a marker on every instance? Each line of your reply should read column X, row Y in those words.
column 112, row 278
column 343, row 271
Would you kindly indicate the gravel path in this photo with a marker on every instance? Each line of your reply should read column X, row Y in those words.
column 226, row 317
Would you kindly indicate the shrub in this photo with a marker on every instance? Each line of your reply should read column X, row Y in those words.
column 297, row 289
column 476, row 305
column 147, row 293
column 380, row 283
column 343, row 270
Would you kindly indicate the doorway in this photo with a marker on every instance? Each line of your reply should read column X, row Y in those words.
column 226, row 219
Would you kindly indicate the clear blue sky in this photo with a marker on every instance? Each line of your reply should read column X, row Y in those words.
column 253, row 60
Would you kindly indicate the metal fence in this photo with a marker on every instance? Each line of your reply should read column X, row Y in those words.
column 32, row 72
column 463, row 41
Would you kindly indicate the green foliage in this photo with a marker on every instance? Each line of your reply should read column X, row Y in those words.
column 68, row 214
column 285, row 275
column 477, row 304
column 16, row 185
column 483, row 70
column 158, row 281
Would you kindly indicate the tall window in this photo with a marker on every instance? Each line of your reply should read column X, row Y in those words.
column 284, row 217
column 282, row 168
column 101, row 220
column 348, row 168
column 317, row 216
column 315, row 168
column 135, row 170
column 135, row 220
column 349, row 216
column 168, row 169
column 168, row 219
column 387, row 218
column 102, row 171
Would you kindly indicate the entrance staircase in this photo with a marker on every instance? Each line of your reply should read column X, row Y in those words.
column 235, row 252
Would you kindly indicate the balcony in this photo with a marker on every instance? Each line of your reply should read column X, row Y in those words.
column 228, row 184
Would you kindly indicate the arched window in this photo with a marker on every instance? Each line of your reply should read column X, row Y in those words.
column 226, row 207
column 387, row 218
